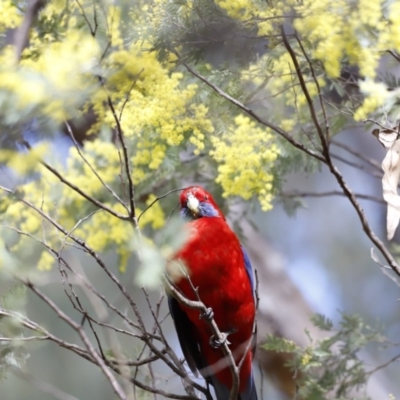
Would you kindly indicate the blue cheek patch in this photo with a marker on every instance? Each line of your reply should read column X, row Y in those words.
column 205, row 210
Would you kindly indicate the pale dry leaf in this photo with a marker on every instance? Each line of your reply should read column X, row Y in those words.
column 390, row 179
column 386, row 136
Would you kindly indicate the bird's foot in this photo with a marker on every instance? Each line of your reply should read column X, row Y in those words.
column 208, row 314
column 216, row 343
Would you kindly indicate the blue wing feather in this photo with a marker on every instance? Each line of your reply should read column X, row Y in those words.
column 249, row 269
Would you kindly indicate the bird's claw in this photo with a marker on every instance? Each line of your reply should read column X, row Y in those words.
column 216, row 343
column 208, row 314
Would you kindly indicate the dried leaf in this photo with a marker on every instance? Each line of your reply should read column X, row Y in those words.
column 390, row 179
column 386, row 136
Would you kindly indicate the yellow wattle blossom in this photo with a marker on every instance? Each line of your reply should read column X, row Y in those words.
column 245, row 156
column 334, row 29
column 306, row 358
column 394, row 29
column 154, row 216
column 343, row 29
column 10, row 16
column 376, row 94
column 45, row 262
column 23, row 162
column 51, row 82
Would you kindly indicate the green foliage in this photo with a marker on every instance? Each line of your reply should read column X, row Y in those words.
column 330, row 368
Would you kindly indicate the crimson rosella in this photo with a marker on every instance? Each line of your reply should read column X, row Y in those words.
column 220, row 268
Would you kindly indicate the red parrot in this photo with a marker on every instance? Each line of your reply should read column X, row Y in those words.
column 220, row 268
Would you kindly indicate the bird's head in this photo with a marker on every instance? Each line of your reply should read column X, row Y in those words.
column 196, row 202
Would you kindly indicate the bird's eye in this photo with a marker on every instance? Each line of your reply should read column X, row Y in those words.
column 205, row 197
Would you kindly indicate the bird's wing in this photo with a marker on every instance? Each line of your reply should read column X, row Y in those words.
column 250, row 274
column 186, row 335
column 249, row 270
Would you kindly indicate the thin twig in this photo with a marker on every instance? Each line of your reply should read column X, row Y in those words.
column 320, row 97
column 129, row 93
column 387, row 363
column 296, row 193
column 373, row 163
column 43, row 386
column 113, row 193
column 121, row 139
column 79, row 190
column 159, row 198
column 321, row 134
column 29, row 324
column 360, row 167
column 78, row 328
column 251, row 113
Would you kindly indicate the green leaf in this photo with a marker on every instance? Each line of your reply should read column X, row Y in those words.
column 322, row 322
column 279, row 344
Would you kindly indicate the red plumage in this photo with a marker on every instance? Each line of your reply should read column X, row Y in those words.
column 216, row 265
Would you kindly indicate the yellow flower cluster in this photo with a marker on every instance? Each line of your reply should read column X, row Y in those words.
column 153, row 216
column 10, row 16
column 343, row 29
column 102, row 230
column 53, row 82
column 306, row 358
column 376, row 95
column 266, row 16
column 157, row 114
column 338, row 29
column 23, row 162
column 245, row 155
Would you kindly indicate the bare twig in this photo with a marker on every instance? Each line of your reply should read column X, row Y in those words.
column 251, row 113
column 384, row 365
column 132, row 214
column 113, row 193
column 78, row 328
column 91, row 29
column 394, row 55
column 296, row 193
column 373, row 163
column 360, row 167
column 157, row 199
column 43, row 386
column 320, row 97
column 29, row 324
column 321, row 134
column 129, row 93
column 79, row 190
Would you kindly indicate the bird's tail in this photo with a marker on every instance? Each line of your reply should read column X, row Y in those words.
column 250, row 392
column 222, row 392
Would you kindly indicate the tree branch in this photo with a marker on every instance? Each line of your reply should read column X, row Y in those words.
column 250, row 112
column 296, row 193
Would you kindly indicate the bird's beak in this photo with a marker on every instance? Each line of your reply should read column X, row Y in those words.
column 193, row 204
